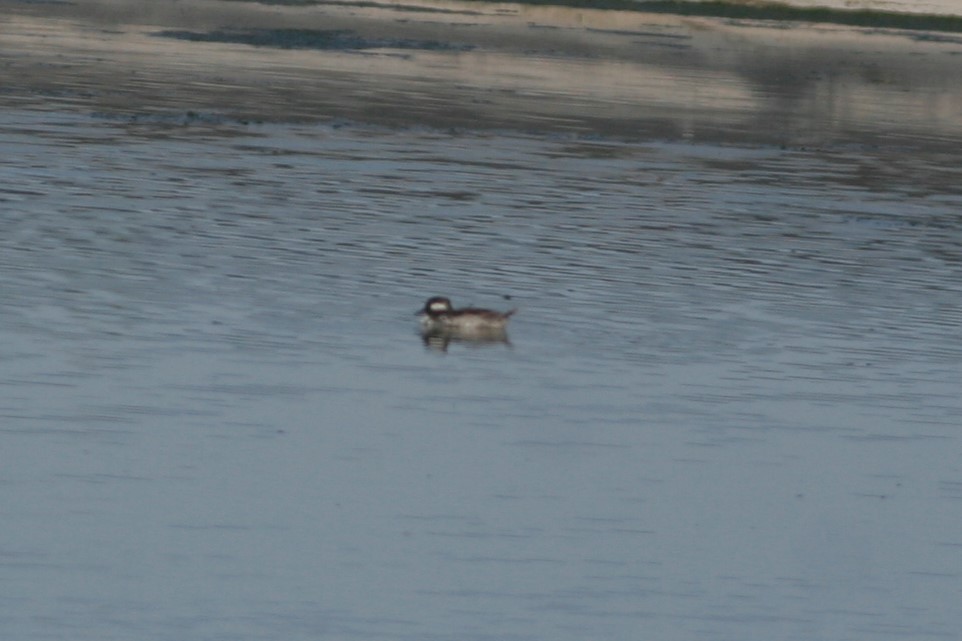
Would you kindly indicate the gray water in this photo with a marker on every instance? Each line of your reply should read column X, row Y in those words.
column 729, row 410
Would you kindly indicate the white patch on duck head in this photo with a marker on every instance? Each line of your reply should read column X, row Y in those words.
column 439, row 306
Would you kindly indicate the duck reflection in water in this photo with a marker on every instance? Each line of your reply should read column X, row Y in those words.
column 442, row 324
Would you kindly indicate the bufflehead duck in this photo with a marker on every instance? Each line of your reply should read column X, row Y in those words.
column 439, row 315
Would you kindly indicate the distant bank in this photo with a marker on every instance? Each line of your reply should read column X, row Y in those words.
column 926, row 15
column 931, row 7
column 916, row 7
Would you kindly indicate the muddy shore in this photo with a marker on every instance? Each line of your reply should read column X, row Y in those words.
column 486, row 66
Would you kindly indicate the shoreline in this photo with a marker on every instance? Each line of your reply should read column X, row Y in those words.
column 915, row 7
column 451, row 65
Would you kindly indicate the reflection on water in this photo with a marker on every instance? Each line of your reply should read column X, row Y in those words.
column 440, row 339
column 730, row 410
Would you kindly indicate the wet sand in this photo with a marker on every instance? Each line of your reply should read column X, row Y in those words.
column 510, row 67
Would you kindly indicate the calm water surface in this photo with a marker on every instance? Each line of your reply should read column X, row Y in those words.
column 730, row 409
